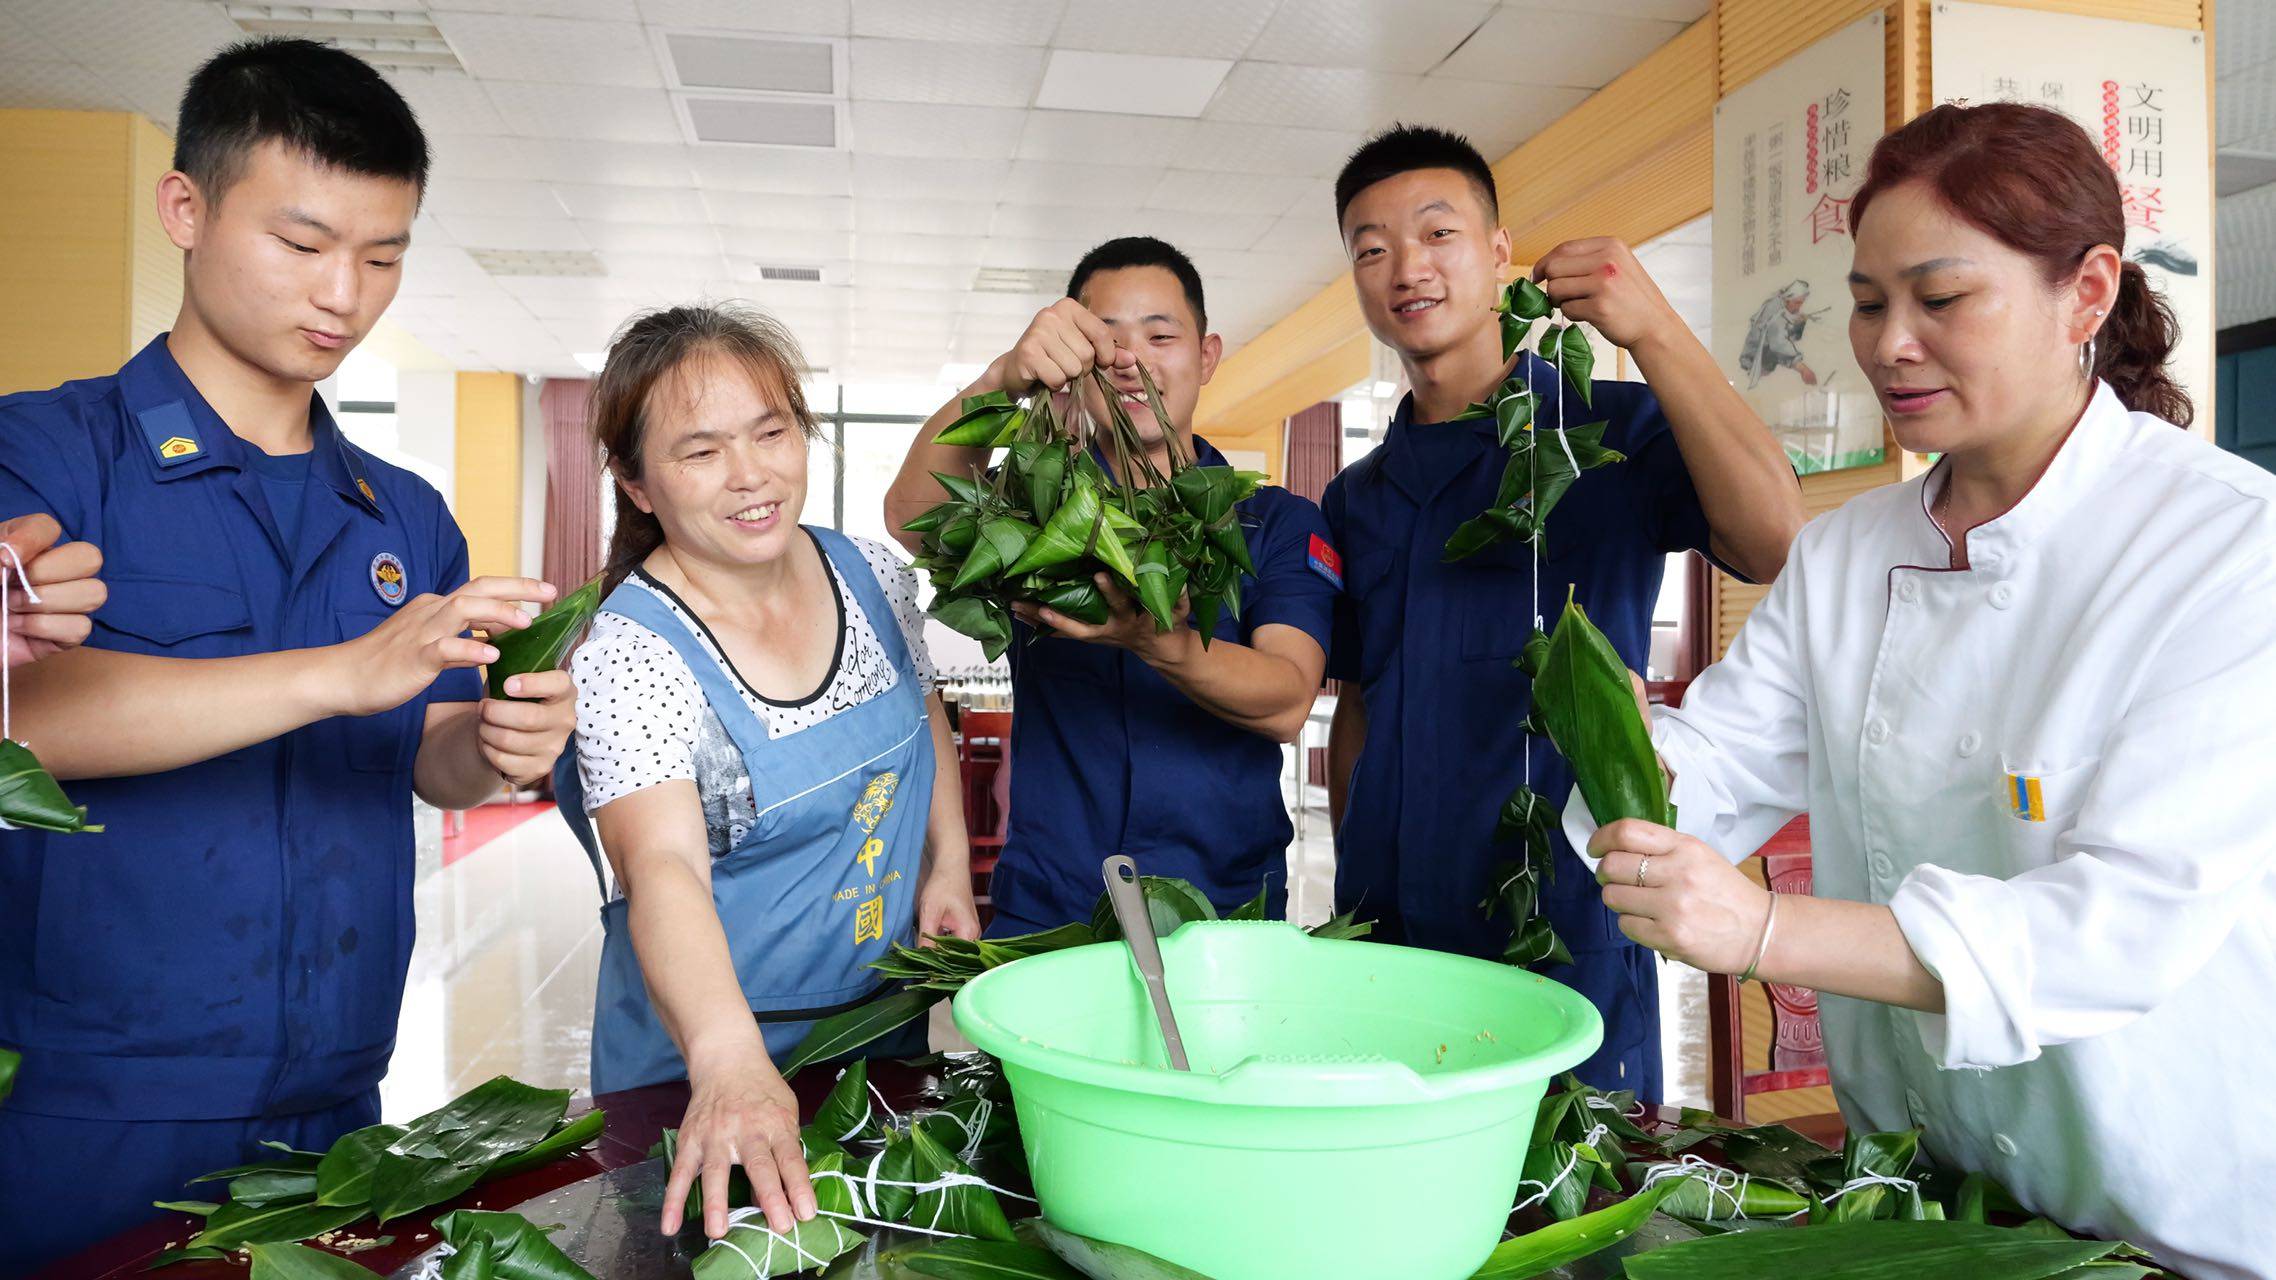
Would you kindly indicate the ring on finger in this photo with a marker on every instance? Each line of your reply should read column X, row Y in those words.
column 1643, row 865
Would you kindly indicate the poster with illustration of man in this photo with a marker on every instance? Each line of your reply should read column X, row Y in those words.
column 1790, row 149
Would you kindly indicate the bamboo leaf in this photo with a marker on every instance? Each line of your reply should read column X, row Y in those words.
column 1562, row 1242
column 984, row 1260
column 519, row 1249
column 1253, row 909
column 1583, row 695
column 843, row 1033
column 299, row 1262
column 195, row 1208
column 1869, row 1251
column 1170, row 903
column 542, row 644
column 172, row 1256
column 9, row 1061
column 1343, row 928
column 1524, row 299
column 846, row 1115
column 344, row 1175
column 1575, row 359
column 978, row 427
column 562, row 1141
column 1104, row 1260
column 403, row 1184
column 233, row 1225
column 750, row 1251
column 1514, row 330
column 1081, row 600
column 963, row 488
column 31, row 797
column 268, row 1187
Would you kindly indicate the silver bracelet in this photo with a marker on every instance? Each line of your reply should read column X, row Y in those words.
column 1762, row 947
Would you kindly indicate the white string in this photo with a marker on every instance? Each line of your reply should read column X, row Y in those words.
column 1572, row 1161
column 743, row 1218
column 7, row 636
column 1601, row 1103
column 1872, row 1180
column 891, row 1116
column 983, row 1112
column 1730, row 1184
column 432, row 1268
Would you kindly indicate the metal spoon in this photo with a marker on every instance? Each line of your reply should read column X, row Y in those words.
column 1129, row 898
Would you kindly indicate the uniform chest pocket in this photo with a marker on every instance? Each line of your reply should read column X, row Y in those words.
column 381, row 743
column 175, row 618
column 1495, row 607
column 2037, row 810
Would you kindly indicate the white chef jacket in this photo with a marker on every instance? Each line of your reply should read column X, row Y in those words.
column 2058, row 769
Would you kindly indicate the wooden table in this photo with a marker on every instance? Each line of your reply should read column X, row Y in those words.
column 637, row 1119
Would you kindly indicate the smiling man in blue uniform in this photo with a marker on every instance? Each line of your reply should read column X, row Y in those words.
column 1423, row 751
column 1125, row 739
column 281, row 663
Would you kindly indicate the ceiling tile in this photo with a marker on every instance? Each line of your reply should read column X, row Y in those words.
column 1057, row 222
column 447, row 102
column 1221, row 147
column 1539, row 46
column 472, row 196
column 64, row 86
column 924, row 217
column 476, row 231
column 561, row 50
column 555, row 159
column 671, row 273
column 1184, row 28
column 617, row 10
column 1495, row 117
column 1190, row 231
column 921, row 178
column 1059, row 183
column 1016, row 309
column 973, row 75
column 426, row 231
column 603, row 203
column 914, row 129
column 765, row 245
column 787, row 170
column 650, row 237
column 1199, row 192
column 169, row 37
column 1309, row 233
column 733, row 209
column 1411, row 36
column 579, row 111
column 1041, row 255
column 797, row 17
column 971, row 21
column 155, row 93
column 903, row 278
column 923, row 251
column 1098, row 137
column 1320, row 97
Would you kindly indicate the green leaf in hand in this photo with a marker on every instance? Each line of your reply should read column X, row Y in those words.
column 31, row 797
column 542, row 644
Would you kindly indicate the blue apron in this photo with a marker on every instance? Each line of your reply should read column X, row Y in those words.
column 826, row 879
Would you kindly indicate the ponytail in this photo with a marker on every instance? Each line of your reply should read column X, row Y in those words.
column 2133, row 345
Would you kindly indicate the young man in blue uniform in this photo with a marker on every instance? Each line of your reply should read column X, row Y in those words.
column 1427, row 741
column 280, row 664
column 1125, row 739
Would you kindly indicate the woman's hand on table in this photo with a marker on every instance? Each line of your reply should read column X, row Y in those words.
column 1679, row 897
column 742, row 1113
column 945, row 907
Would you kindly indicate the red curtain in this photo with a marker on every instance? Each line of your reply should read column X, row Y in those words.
column 572, row 484
column 1315, row 449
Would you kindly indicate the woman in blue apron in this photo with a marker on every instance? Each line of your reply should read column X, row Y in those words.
column 759, row 754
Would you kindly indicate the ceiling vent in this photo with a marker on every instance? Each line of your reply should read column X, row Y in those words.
column 1017, row 280
column 391, row 39
column 538, row 262
column 760, row 122
column 757, row 64
column 790, row 275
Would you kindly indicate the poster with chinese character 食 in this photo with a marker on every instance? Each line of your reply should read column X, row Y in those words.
column 2138, row 89
column 1790, row 149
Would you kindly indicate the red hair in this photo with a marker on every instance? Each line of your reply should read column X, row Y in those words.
column 2031, row 179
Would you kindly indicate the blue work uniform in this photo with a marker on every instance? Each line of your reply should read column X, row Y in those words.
column 1431, row 647
column 826, row 879
column 1109, row 757
column 225, row 962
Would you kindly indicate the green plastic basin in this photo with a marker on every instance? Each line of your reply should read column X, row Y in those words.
column 1355, row 1109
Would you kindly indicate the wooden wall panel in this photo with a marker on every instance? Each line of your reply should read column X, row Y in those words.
column 64, row 265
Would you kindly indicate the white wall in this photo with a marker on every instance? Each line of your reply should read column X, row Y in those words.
column 426, row 424
column 533, row 485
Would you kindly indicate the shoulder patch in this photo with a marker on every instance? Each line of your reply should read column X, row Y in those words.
column 1325, row 561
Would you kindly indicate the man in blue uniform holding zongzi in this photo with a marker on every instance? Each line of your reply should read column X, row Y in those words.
column 281, row 663
column 1430, row 741
column 1127, row 738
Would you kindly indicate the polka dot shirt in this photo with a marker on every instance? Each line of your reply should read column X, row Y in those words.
column 643, row 720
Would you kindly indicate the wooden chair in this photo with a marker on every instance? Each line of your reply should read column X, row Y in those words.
column 1797, row 1042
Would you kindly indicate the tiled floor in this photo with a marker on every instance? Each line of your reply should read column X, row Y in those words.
column 509, row 945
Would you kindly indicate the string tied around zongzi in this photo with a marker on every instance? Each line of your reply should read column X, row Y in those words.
column 1572, row 1162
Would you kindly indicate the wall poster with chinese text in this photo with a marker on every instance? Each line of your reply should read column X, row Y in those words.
column 1790, row 149
column 2139, row 91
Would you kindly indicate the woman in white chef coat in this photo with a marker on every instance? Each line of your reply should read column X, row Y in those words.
column 2029, row 703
